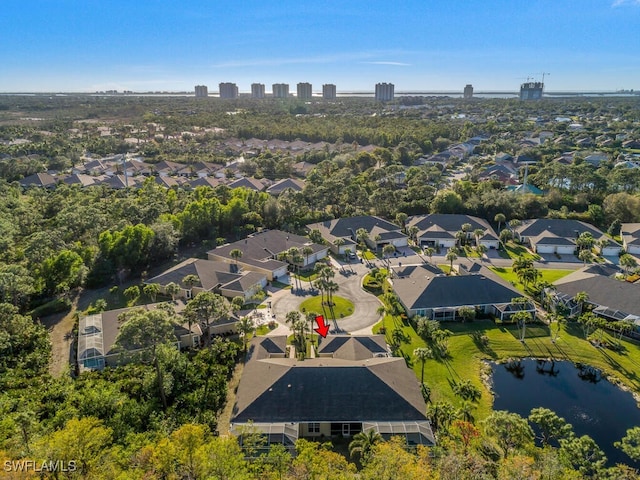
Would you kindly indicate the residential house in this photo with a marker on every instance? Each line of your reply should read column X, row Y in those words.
column 205, row 182
column 423, row 292
column 355, row 386
column 439, row 230
column 284, row 184
column 250, row 183
column 610, row 298
column 97, row 336
column 302, row 169
column 379, row 232
column 630, row 233
column 44, row 179
column 557, row 235
column 214, row 276
column 262, row 252
column 79, row 179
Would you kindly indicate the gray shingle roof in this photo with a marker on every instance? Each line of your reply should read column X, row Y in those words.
column 348, row 226
column 440, row 225
column 435, row 291
column 327, row 389
column 260, row 248
column 602, row 289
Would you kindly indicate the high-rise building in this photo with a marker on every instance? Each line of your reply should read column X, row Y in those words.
column 228, row 90
column 201, row 91
column 385, row 92
column 468, row 91
column 304, row 90
column 531, row 91
column 257, row 90
column 280, row 90
column 329, row 91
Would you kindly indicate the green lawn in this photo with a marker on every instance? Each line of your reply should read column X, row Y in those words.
column 341, row 308
column 467, row 355
column 514, row 250
column 368, row 255
column 548, row 274
column 446, row 268
column 308, row 276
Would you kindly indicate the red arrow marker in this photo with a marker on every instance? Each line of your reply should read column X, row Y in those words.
column 323, row 328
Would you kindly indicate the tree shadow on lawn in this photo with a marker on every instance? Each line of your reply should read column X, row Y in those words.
column 483, row 345
column 632, row 376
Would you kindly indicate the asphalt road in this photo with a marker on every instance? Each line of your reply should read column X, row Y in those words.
column 349, row 279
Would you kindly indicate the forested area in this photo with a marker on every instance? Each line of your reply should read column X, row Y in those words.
column 53, row 243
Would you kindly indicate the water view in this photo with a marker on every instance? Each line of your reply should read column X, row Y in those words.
column 593, row 405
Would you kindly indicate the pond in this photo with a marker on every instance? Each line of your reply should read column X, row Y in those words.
column 593, row 405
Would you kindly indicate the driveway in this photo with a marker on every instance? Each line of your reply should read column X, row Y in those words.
column 349, row 279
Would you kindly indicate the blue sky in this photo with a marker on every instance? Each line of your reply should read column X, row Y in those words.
column 142, row 45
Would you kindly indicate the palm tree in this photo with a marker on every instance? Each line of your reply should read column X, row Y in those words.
column 429, row 251
column 363, row 443
column 505, row 236
column 413, row 231
column 580, row 299
column 451, row 256
column 387, row 250
column 585, row 255
column 422, row 354
column 236, row 253
column 172, row 289
column 401, row 218
column 628, row 262
column 465, row 412
column 245, row 326
column 320, row 284
column 500, row 218
column 528, row 275
column 522, row 318
column 478, row 233
column 481, row 249
column 362, row 236
column 331, row 287
column 151, row 290
column 307, row 251
column 191, row 280
column 338, row 242
column 521, row 263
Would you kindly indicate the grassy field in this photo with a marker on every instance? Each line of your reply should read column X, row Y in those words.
column 513, row 250
column 548, row 274
column 467, row 355
column 341, row 308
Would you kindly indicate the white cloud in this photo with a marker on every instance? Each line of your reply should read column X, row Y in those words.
column 397, row 64
column 362, row 57
column 619, row 3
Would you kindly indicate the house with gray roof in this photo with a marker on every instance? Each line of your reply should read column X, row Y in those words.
column 630, row 233
column 422, row 291
column 97, row 336
column 559, row 235
column 611, row 298
column 43, row 179
column 262, row 252
column 379, row 232
column 284, row 184
column 213, row 276
column 439, row 230
column 354, row 386
column 250, row 183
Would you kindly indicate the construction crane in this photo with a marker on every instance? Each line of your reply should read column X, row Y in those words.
column 543, row 74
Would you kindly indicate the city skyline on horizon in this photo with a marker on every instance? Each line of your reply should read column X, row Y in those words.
column 155, row 45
